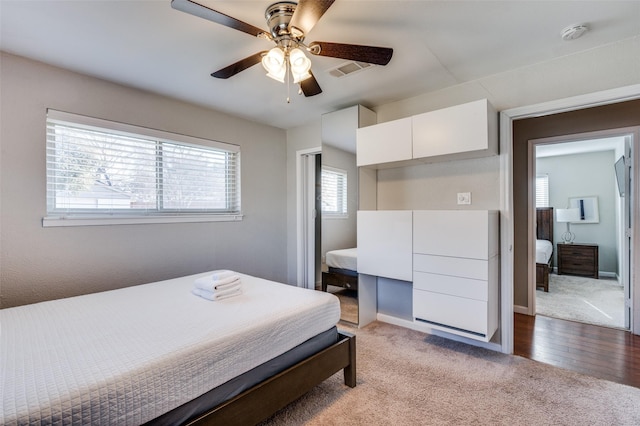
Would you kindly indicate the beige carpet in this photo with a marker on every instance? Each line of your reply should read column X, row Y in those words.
column 410, row 378
column 599, row 302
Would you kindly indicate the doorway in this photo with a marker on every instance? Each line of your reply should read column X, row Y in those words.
column 587, row 268
column 308, row 178
column 615, row 108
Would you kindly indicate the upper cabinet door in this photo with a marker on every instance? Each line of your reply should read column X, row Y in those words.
column 462, row 131
column 384, row 143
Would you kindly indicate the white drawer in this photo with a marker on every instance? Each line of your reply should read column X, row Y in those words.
column 455, row 266
column 455, row 233
column 451, row 311
column 453, row 286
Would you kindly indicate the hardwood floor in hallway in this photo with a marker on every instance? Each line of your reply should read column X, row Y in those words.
column 602, row 352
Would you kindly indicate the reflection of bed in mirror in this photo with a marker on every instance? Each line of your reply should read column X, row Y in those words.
column 544, row 246
column 342, row 269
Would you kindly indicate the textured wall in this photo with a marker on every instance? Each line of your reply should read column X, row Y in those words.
column 47, row 263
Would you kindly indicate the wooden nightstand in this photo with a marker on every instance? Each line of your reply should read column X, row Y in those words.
column 578, row 259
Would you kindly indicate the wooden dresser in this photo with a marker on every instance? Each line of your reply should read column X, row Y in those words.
column 578, row 259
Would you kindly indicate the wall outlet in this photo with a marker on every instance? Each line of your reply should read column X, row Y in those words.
column 464, row 198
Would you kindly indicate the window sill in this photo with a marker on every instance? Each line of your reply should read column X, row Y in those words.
column 53, row 221
column 335, row 216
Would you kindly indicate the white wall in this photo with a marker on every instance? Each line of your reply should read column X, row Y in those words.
column 307, row 136
column 431, row 186
column 584, row 175
column 47, row 263
column 434, row 186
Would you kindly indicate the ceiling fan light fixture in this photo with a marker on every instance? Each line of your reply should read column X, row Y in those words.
column 273, row 61
column 297, row 78
column 300, row 65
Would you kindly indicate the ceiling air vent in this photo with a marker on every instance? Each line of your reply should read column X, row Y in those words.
column 349, row 68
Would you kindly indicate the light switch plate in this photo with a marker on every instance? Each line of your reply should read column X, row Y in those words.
column 464, row 198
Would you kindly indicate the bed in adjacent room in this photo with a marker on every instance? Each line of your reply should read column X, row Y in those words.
column 544, row 246
column 342, row 269
column 157, row 353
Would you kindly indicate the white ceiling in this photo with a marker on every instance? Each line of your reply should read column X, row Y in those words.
column 148, row 45
column 580, row 147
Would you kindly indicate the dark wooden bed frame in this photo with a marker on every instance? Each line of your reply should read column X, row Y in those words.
column 544, row 231
column 266, row 398
column 338, row 278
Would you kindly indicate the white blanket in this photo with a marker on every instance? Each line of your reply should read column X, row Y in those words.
column 544, row 250
column 124, row 357
column 343, row 259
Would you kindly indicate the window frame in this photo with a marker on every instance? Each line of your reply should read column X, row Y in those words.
column 82, row 217
column 345, row 202
column 544, row 189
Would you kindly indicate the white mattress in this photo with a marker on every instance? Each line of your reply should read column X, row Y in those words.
column 126, row 356
column 343, row 259
column 544, row 250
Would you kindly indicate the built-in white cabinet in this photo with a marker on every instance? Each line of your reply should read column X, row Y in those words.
column 384, row 143
column 385, row 243
column 339, row 127
column 455, row 271
column 463, row 131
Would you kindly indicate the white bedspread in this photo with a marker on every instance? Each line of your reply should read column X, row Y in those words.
column 123, row 357
column 343, row 259
column 544, row 250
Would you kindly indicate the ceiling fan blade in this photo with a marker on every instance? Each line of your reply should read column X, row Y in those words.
column 310, row 86
column 307, row 14
column 354, row 52
column 239, row 66
column 201, row 11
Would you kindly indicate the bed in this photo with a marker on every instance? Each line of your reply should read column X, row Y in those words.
column 544, row 246
column 157, row 354
column 342, row 269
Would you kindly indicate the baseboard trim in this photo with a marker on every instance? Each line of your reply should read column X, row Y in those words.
column 425, row 329
column 518, row 309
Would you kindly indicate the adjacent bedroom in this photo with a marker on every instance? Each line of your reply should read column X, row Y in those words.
column 580, row 204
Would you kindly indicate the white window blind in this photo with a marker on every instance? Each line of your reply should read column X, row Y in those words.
column 542, row 191
column 97, row 168
column 334, row 192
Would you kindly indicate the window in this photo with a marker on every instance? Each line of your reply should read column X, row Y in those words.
column 334, row 192
column 542, row 191
column 98, row 169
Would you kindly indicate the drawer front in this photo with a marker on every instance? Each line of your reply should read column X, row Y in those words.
column 456, row 312
column 578, row 254
column 453, row 286
column 578, row 260
column 454, row 233
column 454, row 266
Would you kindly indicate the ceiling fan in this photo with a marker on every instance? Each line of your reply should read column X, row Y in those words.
column 288, row 22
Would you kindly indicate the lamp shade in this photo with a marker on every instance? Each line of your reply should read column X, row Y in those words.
column 274, row 63
column 567, row 215
column 300, row 65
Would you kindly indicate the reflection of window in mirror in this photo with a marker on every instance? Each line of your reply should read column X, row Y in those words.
column 334, row 192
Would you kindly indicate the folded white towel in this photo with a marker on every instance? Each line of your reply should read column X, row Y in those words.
column 210, row 284
column 218, row 295
column 222, row 274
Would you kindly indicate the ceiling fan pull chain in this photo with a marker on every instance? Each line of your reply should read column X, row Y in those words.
column 288, row 83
